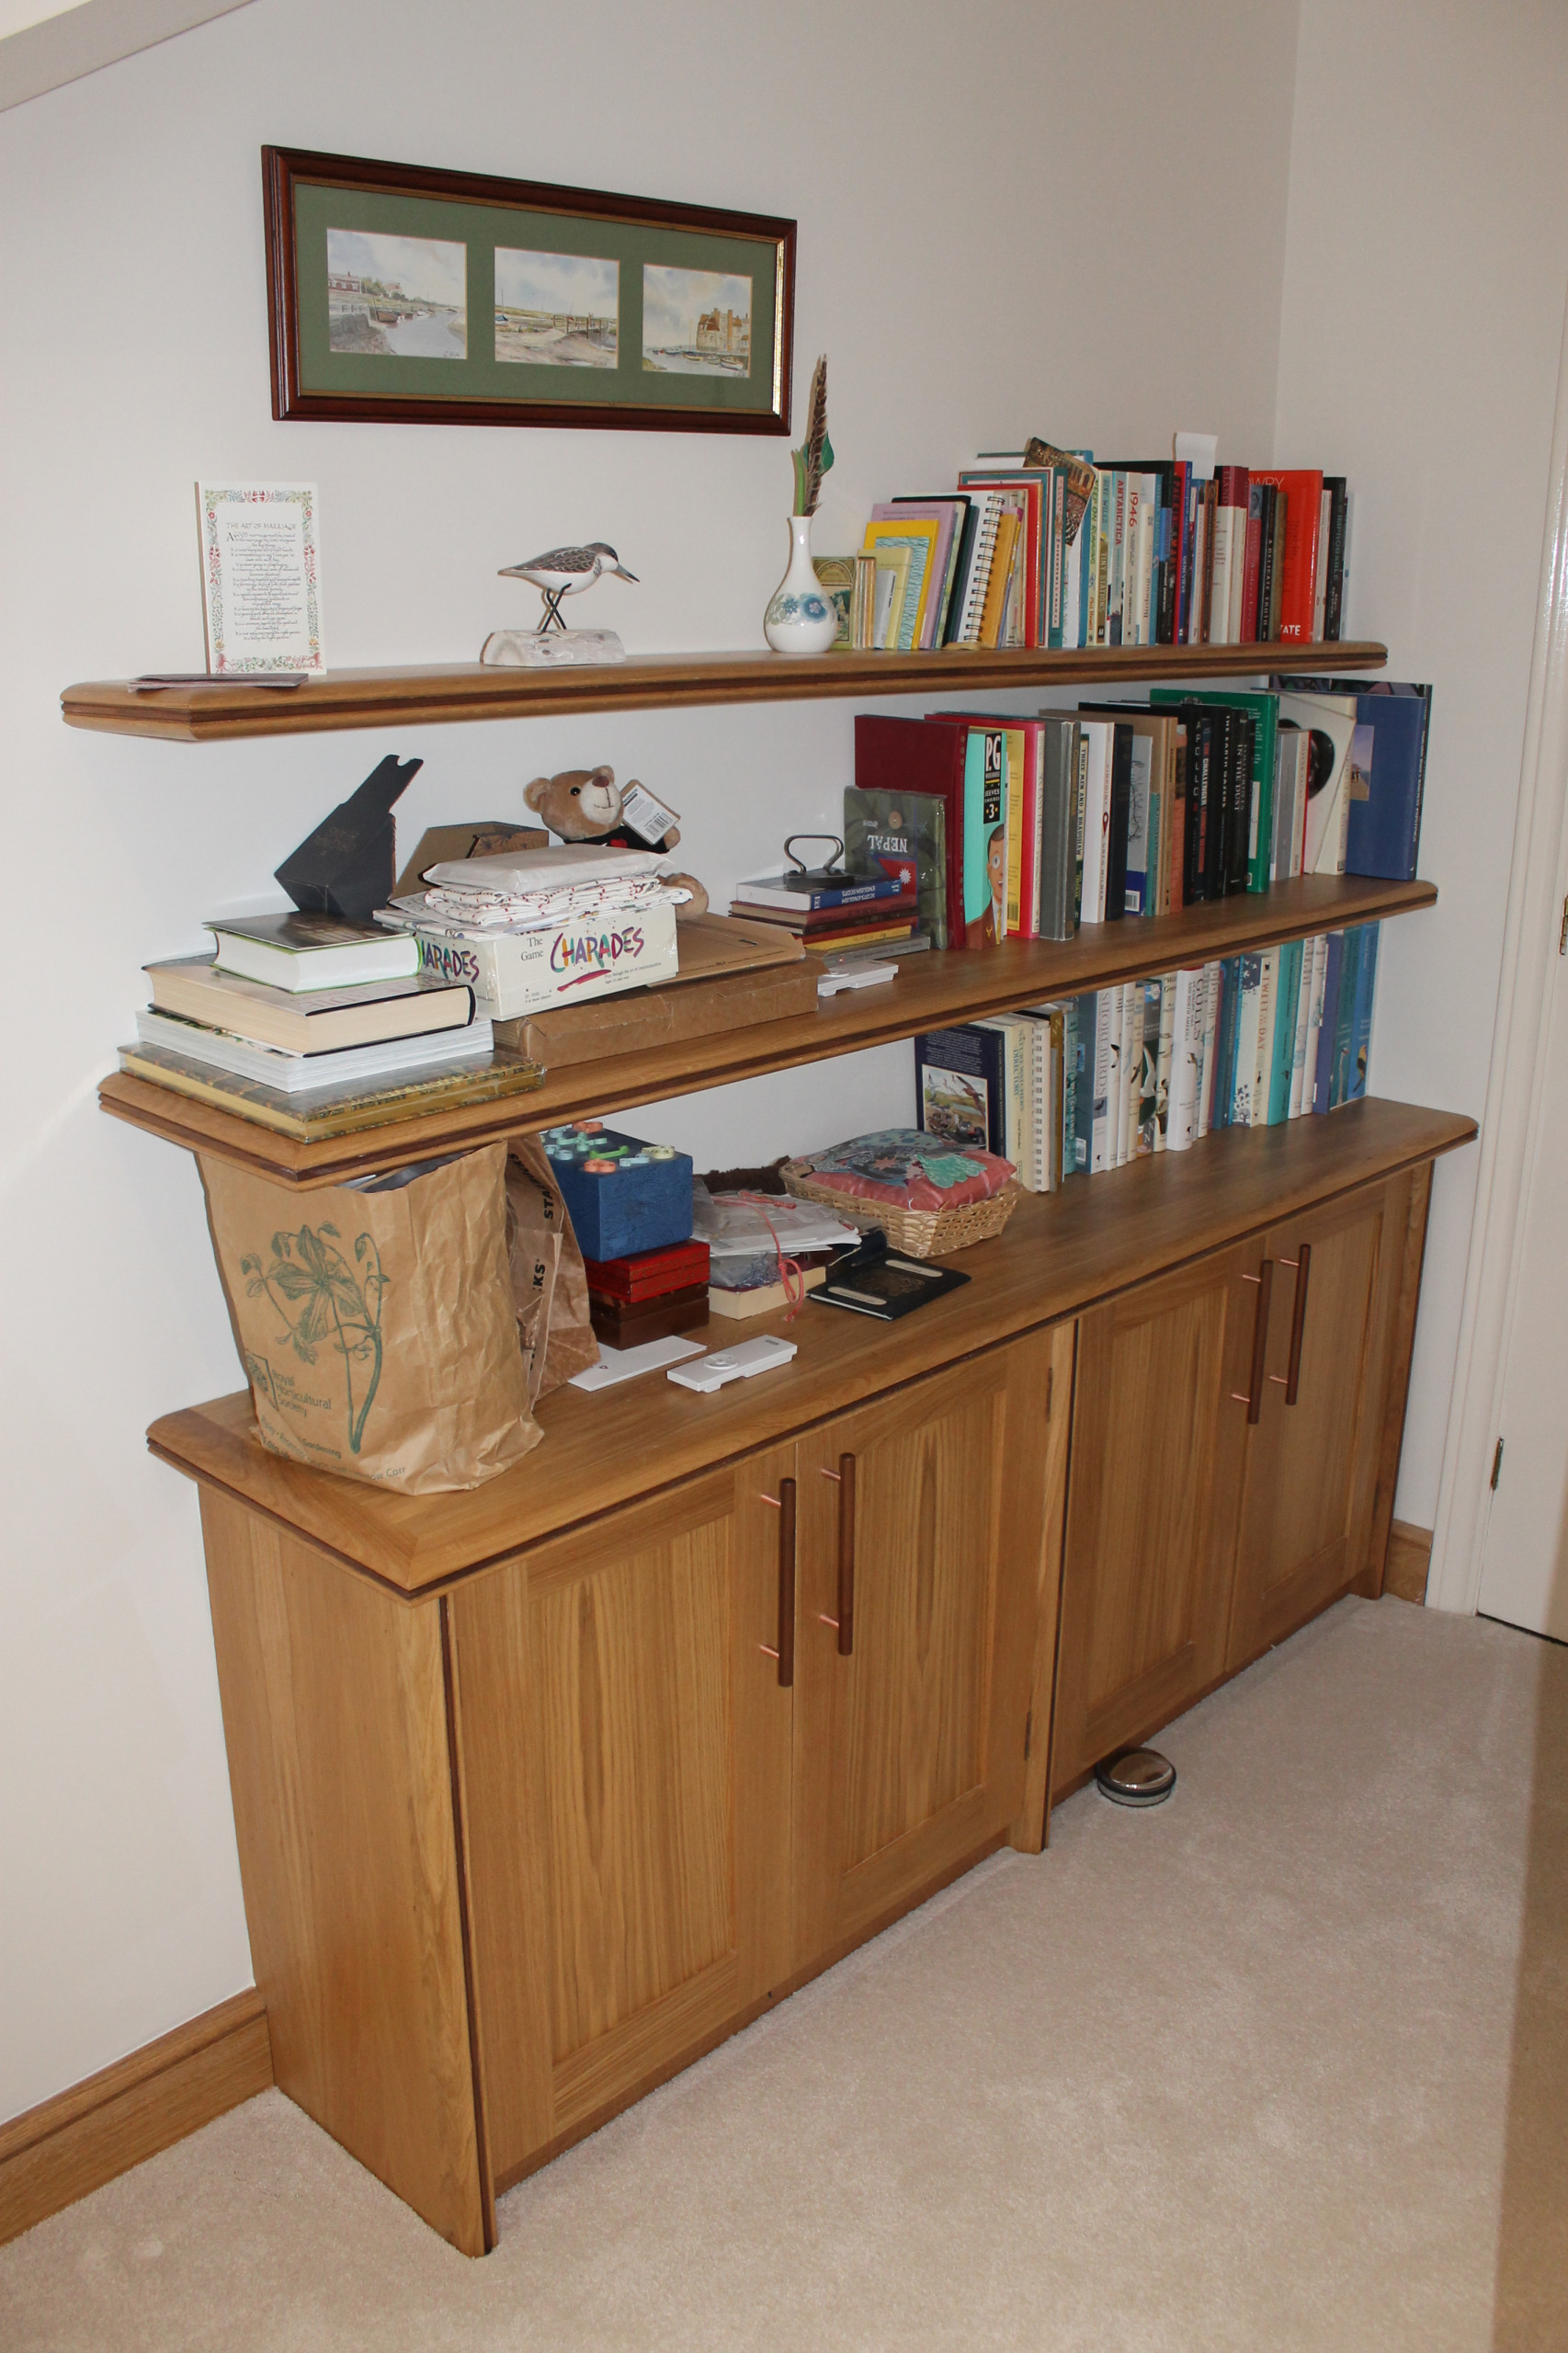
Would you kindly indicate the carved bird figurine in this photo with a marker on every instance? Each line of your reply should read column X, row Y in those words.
column 565, row 572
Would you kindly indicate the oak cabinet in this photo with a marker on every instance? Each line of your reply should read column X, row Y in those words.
column 1312, row 1456
column 679, row 1794
column 923, row 1523
column 1236, row 1437
column 625, row 1757
column 542, row 1788
column 1157, row 1451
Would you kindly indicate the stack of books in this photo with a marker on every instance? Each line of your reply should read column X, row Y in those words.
column 649, row 1295
column 1092, row 1082
column 830, row 912
column 316, row 1027
column 1047, row 548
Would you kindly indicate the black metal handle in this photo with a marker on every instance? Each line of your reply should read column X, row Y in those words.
column 1253, row 1397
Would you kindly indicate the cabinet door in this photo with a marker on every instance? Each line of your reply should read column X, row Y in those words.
column 1158, row 1445
column 1312, row 1458
column 624, row 1737
column 922, row 1528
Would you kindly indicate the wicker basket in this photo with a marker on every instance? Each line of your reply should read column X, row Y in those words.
column 918, row 1234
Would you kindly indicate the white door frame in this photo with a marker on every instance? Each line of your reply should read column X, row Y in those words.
column 1511, row 1121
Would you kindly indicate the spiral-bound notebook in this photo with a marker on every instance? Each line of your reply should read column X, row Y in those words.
column 992, row 508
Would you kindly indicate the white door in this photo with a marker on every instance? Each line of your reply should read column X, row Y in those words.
column 1524, row 1574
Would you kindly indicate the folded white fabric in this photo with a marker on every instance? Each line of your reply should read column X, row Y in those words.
column 534, row 910
column 514, row 872
column 528, row 889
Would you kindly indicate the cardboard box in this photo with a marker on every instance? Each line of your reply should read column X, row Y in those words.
column 731, row 975
column 481, row 837
column 521, row 971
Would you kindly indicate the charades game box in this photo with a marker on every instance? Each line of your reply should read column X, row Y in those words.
column 521, row 971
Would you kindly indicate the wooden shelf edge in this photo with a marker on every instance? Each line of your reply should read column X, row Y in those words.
column 930, row 993
column 440, row 693
column 1062, row 1255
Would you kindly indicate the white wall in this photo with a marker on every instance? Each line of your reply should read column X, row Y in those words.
column 975, row 271
column 1427, row 258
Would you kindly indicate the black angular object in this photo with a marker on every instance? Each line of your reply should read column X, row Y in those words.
column 346, row 867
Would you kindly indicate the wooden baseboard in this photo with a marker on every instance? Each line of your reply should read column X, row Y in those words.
column 1408, row 1559
column 59, row 2151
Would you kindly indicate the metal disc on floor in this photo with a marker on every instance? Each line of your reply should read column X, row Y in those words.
column 1138, row 1777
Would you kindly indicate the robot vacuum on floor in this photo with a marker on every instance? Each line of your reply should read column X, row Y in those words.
column 1138, row 1777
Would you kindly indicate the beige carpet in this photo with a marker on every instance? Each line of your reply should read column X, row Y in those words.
column 1246, row 2071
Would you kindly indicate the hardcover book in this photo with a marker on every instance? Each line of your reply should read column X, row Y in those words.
column 903, row 836
column 1383, row 828
column 1057, row 852
column 1301, row 489
column 334, row 1111
column 960, row 1080
column 915, row 756
column 1265, row 712
column 1330, row 723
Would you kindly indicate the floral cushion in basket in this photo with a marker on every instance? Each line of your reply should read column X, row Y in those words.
column 905, row 1168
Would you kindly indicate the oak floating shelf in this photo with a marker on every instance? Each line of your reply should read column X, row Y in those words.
column 438, row 693
column 930, row 992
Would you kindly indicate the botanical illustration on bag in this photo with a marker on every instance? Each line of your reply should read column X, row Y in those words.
column 332, row 1306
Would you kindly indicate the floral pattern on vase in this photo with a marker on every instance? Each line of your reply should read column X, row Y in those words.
column 800, row 617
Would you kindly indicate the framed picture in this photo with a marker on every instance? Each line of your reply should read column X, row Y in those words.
column 452, row 298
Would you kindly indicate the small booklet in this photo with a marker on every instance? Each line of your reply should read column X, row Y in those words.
column 874, row 1280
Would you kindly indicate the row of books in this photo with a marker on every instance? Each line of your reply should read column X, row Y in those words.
column 315, row 1026
column 1091, row 1082
column 1047, row 548
column 1023, row 828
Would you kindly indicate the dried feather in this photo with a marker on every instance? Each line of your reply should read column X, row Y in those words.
column 815, row 456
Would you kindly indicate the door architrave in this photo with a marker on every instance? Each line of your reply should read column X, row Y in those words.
column 1538, row 883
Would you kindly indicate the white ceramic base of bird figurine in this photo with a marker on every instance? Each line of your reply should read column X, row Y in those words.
column 799, row 617
column 523, row 649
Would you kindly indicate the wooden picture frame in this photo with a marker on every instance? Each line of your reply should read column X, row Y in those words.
column 423, row 297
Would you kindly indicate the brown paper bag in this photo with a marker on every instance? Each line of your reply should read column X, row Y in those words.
column 376, row 1327
column 548, row 1285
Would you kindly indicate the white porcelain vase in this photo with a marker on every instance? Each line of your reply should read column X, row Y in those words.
column 799, row 617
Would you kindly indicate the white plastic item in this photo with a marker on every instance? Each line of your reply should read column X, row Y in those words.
column 860, row 976
column 743, row 1363
column 524, row 649
column 616, row 1365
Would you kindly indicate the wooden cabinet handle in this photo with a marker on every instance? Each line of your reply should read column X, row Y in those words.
column 1253, row 1396
column 845, row 1621
column 783, row 1503
column 1303, row 1264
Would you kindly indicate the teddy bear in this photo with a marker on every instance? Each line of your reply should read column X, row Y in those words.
column 587, row 805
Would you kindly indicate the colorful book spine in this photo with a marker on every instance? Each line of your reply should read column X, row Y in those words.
column 1283, row 1057
column 1188, row 994
column 1361, row 1029
column 1211, row 993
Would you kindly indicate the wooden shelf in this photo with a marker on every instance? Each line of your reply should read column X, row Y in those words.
column 1060, row 1252
column 930, row 992
column 436, row 693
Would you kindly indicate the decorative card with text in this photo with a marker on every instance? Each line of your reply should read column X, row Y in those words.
column 260, row 576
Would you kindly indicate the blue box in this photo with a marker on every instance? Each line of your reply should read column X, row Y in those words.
column 620, row 1194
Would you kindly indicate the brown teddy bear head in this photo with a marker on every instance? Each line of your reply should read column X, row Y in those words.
column 580, row 804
